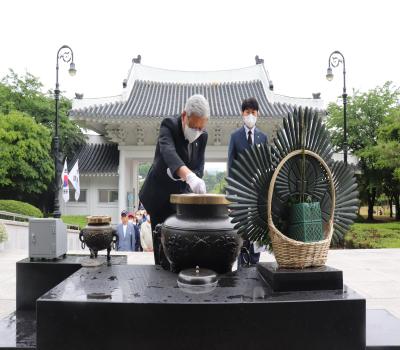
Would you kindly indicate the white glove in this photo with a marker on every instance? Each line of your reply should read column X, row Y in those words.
column 196, row 184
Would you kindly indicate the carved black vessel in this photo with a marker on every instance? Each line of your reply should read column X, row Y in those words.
column 98, row 235
column 200, row 234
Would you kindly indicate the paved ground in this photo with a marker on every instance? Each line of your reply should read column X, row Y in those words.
column 374, row 273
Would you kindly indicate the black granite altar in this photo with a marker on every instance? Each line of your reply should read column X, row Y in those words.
column 18, row 331
column 311, row 278
column 149, row 311
column 34, row 278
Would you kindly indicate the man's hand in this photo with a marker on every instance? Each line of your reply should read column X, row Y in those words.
column 196, row 184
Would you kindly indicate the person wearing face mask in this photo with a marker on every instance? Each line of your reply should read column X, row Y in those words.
column 242, row 139
column 178, row 164
column 131, row 218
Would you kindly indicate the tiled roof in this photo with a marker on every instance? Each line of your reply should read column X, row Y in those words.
column 163, row 99
column 97, row 158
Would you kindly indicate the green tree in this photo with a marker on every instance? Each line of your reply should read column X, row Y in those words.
column 210, row 180
column 24, row 94
column 366, row 112
column 144, row 169
column 388, row 145
column 26, row 165
column 386, row 157
column 220, row 186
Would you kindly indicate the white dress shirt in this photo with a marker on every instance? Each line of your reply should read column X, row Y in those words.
column 247, row 133
column 124, row 227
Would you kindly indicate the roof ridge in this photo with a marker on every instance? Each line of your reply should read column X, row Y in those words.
column 197, row 71
column 213, row 83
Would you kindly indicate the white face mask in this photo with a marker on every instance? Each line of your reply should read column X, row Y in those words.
column 131, row 221
column 191, row 134
column 250, row 120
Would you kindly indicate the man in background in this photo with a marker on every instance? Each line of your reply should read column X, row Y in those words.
column 126, row 234
column 242, row 139
column 134, row 220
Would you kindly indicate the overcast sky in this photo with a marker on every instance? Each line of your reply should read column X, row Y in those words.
column 295, row 39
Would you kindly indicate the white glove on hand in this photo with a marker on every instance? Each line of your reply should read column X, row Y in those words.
column 196, row 184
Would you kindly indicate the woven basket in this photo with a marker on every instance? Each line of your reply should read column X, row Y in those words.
column 290, row 253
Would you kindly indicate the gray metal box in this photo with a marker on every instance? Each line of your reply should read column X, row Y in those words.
column 47, row 238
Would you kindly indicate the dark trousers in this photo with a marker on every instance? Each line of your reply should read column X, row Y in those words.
column 158, row 219
column 247, row 256
column 138, row 246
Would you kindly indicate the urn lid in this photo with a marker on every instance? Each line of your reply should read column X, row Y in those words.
column 99, row 219
column 199, row 199
column 197, row 280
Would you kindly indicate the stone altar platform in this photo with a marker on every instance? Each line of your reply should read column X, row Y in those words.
column 34, row 278
column 18, row 331
column 126, row 306
column 311, row 278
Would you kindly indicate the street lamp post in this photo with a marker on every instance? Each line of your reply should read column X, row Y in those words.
column 335, row 58
column 66, row 54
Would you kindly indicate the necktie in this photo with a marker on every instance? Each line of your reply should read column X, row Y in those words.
column 249, row 140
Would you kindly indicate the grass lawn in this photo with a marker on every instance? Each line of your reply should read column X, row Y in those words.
column 378, row 234
column 79, row 220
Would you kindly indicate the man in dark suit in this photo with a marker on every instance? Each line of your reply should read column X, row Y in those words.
column 138, row 247
column 241, row 139
column 126, row 234
column 178, row 163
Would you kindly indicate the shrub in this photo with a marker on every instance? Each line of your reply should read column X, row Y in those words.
column 22, row 208
column 3, row 233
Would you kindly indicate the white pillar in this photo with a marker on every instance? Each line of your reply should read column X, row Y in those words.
column 121, row 182
column 135, row 182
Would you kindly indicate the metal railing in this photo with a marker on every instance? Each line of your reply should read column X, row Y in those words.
column 5, row 215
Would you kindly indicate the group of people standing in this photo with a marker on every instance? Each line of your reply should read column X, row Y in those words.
column 179, row 158
column 134, row 232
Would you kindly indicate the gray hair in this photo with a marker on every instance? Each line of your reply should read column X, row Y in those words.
column 197, row 105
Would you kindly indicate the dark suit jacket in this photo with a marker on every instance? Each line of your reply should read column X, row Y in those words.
column 128, row 243
column 171, row 152
column 238, row 143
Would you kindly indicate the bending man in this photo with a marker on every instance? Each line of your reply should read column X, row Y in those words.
column 178, row 163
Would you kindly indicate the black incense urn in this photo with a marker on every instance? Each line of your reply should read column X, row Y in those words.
column 200, row 233
column 98, row 235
